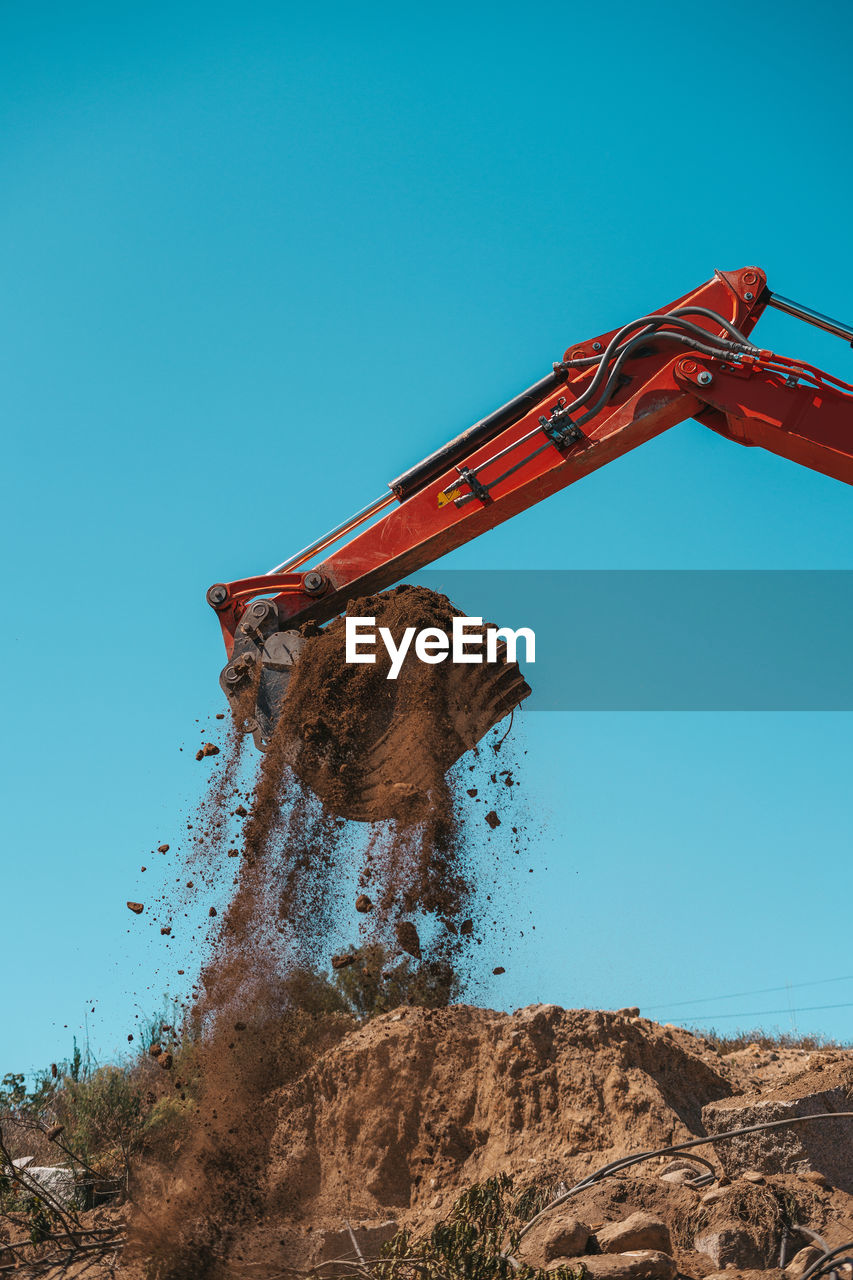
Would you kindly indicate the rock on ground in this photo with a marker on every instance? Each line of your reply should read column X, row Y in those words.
column 638, row 1231
column 730, row 1244
column 558, row 1235
column 801, row 1261
column 823, row 1146
column 646, row 1264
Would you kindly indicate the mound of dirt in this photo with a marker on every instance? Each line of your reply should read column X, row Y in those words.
column 403, row 1114
column 421, row 1103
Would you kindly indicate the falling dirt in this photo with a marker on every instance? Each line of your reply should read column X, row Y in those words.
column 301, row 870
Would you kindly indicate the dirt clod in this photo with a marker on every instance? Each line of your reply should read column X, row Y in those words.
column 136, row 907
column 408, row 938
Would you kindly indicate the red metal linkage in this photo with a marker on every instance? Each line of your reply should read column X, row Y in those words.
column 753, row 403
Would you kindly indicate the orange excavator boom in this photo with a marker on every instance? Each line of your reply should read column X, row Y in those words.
column 607, row 395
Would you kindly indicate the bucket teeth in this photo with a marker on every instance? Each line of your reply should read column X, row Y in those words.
column 255, row 680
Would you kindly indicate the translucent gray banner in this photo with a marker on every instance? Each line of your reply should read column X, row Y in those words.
column 666, row 640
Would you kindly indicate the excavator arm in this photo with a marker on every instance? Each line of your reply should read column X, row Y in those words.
column 693, row 359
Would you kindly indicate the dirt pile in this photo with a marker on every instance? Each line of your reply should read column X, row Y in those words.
column 419, row 1103
column 405, row 1113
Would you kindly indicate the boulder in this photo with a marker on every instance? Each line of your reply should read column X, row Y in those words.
column 681, row 1172
column 558, row 1235
column 730, row 1244
column 800, row 1263
column 824, row 1147
column 639, row 1231
column 646, row 1264
column 57, row 1181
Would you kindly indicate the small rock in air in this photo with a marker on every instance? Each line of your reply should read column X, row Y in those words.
column 136, row 907
column 407, row 937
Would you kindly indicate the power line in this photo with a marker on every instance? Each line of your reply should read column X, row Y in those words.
column 761, row 991
column 761, row 1013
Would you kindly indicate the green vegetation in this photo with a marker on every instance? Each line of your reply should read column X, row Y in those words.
column 474, row 1242
column 370, row 986
column 96, row 1119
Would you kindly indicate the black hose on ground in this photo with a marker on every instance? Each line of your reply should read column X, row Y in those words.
column 625, row 1162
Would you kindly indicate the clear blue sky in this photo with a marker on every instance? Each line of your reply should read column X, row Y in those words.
column 258, row 259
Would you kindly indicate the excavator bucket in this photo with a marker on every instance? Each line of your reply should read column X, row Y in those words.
column 397, row 744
